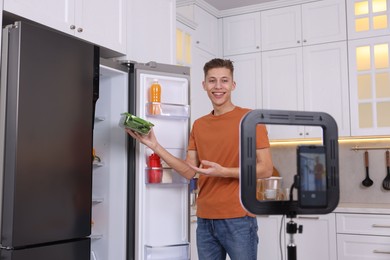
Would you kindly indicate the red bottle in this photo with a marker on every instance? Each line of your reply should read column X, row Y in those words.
column 155, row 169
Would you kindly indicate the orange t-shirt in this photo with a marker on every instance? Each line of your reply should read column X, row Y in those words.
column 216, row 139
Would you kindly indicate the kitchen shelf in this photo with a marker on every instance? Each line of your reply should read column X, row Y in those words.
column 169, row 176
column 169, row 110
column 168, row 252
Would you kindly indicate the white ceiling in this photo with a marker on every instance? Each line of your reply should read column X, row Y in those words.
column 229, row 4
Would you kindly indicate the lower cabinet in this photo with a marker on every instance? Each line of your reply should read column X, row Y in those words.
column 317, row 241
column 363, row 236
column 271, row 241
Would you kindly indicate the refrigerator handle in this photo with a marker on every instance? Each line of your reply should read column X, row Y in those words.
column 96, row 75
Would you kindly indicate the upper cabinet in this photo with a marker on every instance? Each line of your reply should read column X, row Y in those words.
column 306, row 24
column 241, row 34
column 99, row 22
column 367, row 18
column 206, row 34
column 369, row 74
column 314, row 78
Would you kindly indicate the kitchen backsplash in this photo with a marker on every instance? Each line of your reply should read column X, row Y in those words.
column 351, row 171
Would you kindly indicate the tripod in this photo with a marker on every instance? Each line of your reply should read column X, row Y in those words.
column 292, row 228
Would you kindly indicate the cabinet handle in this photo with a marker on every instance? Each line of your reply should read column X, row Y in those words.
column 315, row 218
column 72, row 27
column 380, row 252
column 298, row 41
column 197, row 42
column 380, row 226
column 257, row 47
column 80, row 30
column 304, row 41
column 307, row 133
column 300, row 133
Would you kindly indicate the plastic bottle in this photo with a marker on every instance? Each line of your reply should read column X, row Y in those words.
column 155, row 98
column 155, row 169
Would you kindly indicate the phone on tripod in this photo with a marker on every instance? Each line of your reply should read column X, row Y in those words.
column 312, row 187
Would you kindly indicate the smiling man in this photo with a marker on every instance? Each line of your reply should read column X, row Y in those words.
column 224, row 226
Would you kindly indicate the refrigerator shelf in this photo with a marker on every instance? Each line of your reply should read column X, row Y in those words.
column 97, row 200
column 97, row 164
column 168, row 252
column 100, row 118
column 96, row 236
column 168, row 110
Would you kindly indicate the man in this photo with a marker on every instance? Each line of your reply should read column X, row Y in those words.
column 224, row 226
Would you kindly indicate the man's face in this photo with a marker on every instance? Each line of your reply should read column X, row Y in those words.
column 219, row 84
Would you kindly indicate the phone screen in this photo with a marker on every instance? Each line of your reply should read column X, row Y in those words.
column 312, row 190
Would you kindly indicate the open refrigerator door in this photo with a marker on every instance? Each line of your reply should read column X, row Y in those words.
column 162, row 203
column 110, row 167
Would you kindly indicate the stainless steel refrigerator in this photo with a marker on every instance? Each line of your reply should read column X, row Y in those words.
column 133, row 218
column 46, row 108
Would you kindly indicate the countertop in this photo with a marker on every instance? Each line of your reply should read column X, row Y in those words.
column 359, row 208
column 363, row 208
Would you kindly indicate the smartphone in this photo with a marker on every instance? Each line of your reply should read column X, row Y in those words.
column 312, row 187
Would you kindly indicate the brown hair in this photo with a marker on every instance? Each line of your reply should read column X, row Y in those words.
column 218, row 63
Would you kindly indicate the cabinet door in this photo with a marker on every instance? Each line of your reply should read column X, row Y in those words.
column 326, row 84
column 281, row 28
column 324, row 21
column 206, row 34
column 58, row 14
column 283, row 87
column 271, row 242
column 241, row 34
column 102, row 23
column 318, row 239
column 247, row 75
column 200, row 103
column 368, row 18
column 369, row 73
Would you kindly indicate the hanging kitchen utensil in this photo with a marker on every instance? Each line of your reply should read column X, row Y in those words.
column 386, row 181
column 367, row 182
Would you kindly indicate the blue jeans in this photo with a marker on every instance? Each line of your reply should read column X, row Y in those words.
column 236, row 236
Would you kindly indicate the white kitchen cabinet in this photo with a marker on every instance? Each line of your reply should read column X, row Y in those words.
column 206, row 34
column 247, row 75
column 369, row 73
column 300, row 25
column 271, row 241
column 310, row 78
column 318, row 239
column 241, row 34
column 200, row 103
column 99, row 22
column 151, row 31
column 363, row 236
column 368, row 18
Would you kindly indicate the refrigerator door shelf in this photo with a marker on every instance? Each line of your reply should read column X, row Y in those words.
column 169, row 176
column 169, row 110
column 168, row 252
